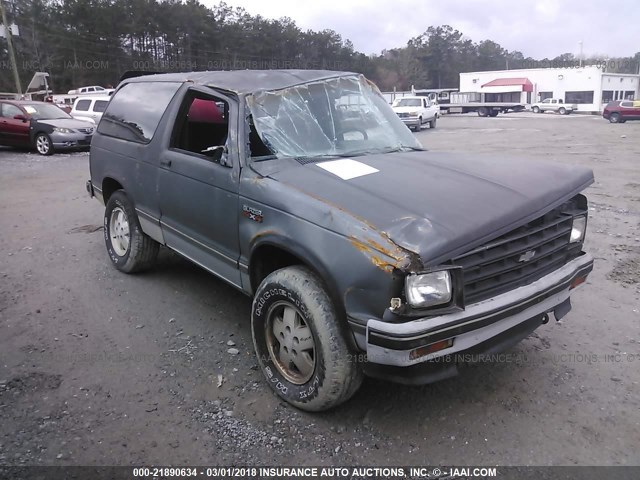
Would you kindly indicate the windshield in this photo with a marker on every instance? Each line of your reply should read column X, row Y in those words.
column 409, row 102
column 45, row 111
column 345, row 116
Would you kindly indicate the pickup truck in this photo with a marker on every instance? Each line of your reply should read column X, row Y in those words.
column 554, row 105
column 363, row 253
column 416, row 111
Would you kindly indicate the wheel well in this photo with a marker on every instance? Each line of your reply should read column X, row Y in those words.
column 109, row 185
column 267, row 259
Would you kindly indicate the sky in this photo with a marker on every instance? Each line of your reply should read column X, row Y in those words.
column 537, row 28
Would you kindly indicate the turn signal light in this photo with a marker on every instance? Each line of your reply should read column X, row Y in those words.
column 431, row 348
column 577, row 281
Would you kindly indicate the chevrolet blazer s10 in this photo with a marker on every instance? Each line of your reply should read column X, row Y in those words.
column 364, row 253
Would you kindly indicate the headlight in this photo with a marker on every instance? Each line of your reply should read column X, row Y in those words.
column 578, row 229
column 428, row 289
column 62, row 130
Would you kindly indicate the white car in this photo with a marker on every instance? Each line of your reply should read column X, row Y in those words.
column 92, row 90
column 90, row 108
column 554, row 105
column 416, row 111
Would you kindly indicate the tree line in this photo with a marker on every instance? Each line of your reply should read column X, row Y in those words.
column 93, row 42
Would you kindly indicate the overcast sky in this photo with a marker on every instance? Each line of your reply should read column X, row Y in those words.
column 537, row 28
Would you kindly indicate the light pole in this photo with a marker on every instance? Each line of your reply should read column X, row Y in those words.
column 12, row 55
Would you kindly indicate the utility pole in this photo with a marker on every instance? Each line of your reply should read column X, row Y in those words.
column 12, row 55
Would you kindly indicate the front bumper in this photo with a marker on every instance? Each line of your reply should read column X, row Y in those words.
column 70, row 140
column 398, row 344
column 411, row 121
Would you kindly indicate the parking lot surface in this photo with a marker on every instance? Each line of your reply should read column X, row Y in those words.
column 102, row 368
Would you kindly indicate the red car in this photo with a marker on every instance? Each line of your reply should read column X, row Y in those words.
column 42, row 126
column 620, row 111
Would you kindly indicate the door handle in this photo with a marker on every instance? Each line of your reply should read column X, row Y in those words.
column 165, row 163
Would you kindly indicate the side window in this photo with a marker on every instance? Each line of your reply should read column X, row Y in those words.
column 83, row 105
column 91, row 89
column 135, row 110
column 626, row 104
column 10, row 111
column 202, row 126
column 100, row 106
column 546, row 100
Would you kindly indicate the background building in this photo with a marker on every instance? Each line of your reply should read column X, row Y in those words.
column 589, row 87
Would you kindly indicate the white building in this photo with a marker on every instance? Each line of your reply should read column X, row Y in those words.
column 589, row 87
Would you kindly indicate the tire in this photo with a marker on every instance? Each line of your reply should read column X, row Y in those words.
column 483, row 112
column 43, row 144
column 562, row 111
column 129, row 248
column 289, row 305
column 493, row 113
column 432, row 123
column 536, row 110
column 614, row 118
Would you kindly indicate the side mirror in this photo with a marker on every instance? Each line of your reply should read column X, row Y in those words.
column 20, row 117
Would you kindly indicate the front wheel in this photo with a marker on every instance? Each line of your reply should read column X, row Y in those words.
column 535, row 109
column 43, row 143
column 129, row 248
column 562, row 111
column 300, row 348
column 614, row 118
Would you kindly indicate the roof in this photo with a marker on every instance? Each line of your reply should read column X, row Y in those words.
column 245, row 81
column 88, row 97
column 24, row 102
column 524, row 82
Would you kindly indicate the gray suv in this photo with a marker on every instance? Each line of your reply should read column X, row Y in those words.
column 364, row 253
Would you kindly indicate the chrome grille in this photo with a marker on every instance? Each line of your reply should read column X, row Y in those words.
column 518, row 257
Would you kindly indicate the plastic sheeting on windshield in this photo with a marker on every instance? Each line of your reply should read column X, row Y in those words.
column 338, row 116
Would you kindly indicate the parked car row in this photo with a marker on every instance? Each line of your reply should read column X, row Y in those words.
column 42, row 126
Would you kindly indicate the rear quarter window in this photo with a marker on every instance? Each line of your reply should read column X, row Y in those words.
column 100, row 105
column 135, row 110
column 83, row 105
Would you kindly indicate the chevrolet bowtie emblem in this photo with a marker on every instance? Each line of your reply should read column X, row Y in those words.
column 526, row 256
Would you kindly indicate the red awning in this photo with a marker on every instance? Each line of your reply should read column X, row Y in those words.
column 526, row 85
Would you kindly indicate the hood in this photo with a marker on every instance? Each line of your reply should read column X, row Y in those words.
column 67, row 123
column 406, row 109
column 438, row 205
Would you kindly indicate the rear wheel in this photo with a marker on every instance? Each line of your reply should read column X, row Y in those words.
column 562, row 111
column 300, row 347
column 432, row 123
column 614, row 118
column 129, row 248
column 493, row 113
column 43, row 143
column 483, row 112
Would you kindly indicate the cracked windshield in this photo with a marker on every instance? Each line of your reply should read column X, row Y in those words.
column 336, row 117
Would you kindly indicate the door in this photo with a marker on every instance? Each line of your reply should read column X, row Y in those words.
column 14, row 131
column 82, row 108
column 198, row 183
